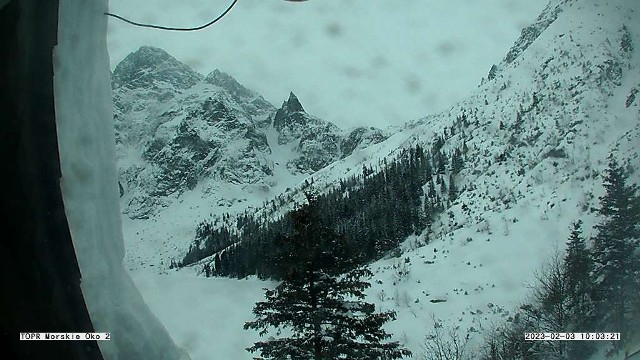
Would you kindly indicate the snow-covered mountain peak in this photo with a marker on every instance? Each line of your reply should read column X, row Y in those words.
column 149, row 67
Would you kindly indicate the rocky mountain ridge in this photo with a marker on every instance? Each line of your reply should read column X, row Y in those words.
column 176, row 129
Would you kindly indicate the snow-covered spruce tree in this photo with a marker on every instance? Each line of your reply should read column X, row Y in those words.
column 615, row 254
column 322, row 311
column 453, row 188
column 457, row 162
column 577, row 270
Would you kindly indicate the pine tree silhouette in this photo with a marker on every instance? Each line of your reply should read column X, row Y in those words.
column 616, row 261
column 325, row 311
column 577, row 268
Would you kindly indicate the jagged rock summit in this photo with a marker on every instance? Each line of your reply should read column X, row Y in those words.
column 318, row 142
column 293, row 123
column 290, row 119
column 293, row 104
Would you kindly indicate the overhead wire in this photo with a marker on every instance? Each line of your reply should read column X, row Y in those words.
column 169, row 28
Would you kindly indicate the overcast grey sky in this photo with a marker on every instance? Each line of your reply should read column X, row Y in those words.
column 352, row 62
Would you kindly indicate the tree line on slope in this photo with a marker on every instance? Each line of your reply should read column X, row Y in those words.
column 376, row 209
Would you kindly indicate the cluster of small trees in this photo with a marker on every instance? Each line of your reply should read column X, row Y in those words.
column 594, row 287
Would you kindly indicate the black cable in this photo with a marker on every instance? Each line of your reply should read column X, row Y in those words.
column 174, row 28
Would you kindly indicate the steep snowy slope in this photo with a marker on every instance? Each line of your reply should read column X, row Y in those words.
column 537, row 135
column 566, row 90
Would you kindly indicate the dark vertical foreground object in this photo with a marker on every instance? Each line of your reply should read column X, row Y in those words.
column 40, row 278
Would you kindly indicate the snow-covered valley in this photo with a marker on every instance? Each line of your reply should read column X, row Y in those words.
column 537, row 131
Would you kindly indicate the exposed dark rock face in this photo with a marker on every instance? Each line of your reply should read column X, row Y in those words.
column 359, row 138
column 175, row 128
column 291, row 120
column 318, row 142
column 251, row 102
column 317, row 148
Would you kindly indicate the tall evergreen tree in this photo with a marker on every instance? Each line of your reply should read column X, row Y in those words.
column 616, row 261
column 577, row 268
column 440, row 161
column 443, row 186
column 431, row 192
column 457, row 162
column 325, row 311
column 453, row 188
